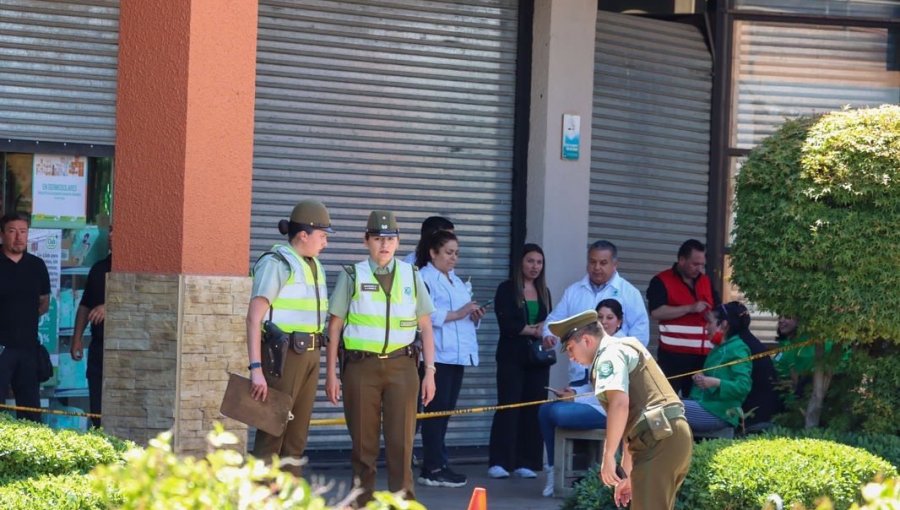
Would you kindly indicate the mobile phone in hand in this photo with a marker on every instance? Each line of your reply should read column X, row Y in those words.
column 489, row 302
column 620, row 472
column 555, row 391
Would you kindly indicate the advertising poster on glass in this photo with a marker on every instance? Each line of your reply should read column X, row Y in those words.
column 59, row 191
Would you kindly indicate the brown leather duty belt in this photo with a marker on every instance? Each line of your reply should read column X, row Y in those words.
column 303, row 342
column 671, row 411
column 408, row 351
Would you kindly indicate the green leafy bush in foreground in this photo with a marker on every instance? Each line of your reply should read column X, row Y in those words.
column 732, row 474
column 881, row 496
column 56, row 492
column 886, row 446
column 224, row 480
column 29, row 450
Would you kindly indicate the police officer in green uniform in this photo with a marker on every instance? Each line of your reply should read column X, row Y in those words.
column 376, row 307
column 289, row 290
column 642, row 409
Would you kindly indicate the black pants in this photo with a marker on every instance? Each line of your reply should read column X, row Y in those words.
column 676, row 363
column 19, row 370
column 515, row 433
column 447, row 382
column 95, row 375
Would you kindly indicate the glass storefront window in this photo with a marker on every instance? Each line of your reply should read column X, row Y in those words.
column 783, row 71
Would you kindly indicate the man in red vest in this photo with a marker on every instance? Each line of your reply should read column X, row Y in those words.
column 679, row 298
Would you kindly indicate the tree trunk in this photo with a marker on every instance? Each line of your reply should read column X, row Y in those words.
column 821, row 381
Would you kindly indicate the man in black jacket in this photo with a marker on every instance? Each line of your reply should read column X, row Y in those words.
column 24, row 297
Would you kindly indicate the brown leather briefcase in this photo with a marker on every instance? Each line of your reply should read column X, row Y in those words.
column 270, row 416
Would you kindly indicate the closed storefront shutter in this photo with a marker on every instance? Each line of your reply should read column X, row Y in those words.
column 650, row 141
column 778, row 75
column 403, row 105
column 58, row 70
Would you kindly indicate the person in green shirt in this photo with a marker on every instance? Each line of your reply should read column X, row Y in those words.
column 718, row 394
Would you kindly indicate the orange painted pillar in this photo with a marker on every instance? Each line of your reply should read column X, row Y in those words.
column 184, row 136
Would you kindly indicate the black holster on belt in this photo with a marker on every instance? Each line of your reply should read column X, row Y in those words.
column 274, row 349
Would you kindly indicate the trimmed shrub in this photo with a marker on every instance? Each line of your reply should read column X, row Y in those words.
column 800, row 471
column 886, row 446
column 30, row 450
column 55, row 492
column 732, row 474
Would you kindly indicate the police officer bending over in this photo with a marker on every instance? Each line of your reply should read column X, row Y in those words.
column 642, row 409
column 377, row 305
column 290, row 295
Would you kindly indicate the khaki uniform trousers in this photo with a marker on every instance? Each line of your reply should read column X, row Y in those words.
column 660, row 467
column 380, row 391
column 300, row 380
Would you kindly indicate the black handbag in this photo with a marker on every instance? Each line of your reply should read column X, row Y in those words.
column 45, row 366
column 538, row 357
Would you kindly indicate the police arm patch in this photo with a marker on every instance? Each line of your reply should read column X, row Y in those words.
column 605, row 369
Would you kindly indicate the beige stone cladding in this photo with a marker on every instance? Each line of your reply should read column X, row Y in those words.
column 170, row 342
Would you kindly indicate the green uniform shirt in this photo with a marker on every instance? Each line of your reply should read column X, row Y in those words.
column 612, row 365
column 269, row 276
column 735, row 380
column 339, row 302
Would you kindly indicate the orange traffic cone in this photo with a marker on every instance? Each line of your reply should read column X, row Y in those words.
column 479, row 499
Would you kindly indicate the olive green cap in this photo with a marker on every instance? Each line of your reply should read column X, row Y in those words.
column 382, row 224
column 313, row 214
column 567, row 327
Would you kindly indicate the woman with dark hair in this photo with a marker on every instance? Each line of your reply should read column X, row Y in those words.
column 719, row 393
column 521, row 304
column 455, row 319
column 432, row 224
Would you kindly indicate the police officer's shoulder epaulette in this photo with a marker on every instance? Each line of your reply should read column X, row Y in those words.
column 275, row 255
column 351, row 272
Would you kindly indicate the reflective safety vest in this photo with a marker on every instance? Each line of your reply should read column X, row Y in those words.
column 376, row 322
column 686, row 334
column 302, row 304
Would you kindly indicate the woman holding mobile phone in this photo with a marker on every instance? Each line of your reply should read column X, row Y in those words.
column 521, row 305
column 455, row 320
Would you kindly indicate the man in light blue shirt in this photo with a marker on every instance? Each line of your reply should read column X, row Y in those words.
column 602, row 281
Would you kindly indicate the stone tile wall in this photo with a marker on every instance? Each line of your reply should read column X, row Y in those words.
column 170, row 342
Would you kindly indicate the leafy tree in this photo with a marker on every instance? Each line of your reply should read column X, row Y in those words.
column 817, row 229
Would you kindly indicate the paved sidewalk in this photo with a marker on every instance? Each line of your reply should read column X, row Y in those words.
column 507, row 494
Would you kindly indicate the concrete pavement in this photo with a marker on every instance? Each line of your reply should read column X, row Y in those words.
column 507, row 494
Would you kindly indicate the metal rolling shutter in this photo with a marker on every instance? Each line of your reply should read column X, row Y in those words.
column 58, row 70
column 397, row 104
column 650, row 140
column 778, row 75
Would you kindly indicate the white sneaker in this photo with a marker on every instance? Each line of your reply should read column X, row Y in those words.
column 548, row 485
column 498, row 472
column 525, row 473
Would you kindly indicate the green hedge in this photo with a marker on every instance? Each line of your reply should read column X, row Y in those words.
column 55, row 492
column 32, row 450
column 886, row 446
column 744, row 473
column 731, row 474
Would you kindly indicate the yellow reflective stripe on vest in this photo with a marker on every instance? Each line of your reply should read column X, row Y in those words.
column 295, row 310
column 367, row 322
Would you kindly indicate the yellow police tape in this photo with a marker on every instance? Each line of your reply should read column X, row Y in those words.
column 467, row 410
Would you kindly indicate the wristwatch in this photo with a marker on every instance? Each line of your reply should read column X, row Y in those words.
column 255, row 364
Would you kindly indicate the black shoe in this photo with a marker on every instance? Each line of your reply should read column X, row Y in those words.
column 443, row 477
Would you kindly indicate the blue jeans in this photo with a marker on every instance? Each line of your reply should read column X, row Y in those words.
column 567, row 415
column 700, row 419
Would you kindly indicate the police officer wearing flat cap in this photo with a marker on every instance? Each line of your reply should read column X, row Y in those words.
column 642, row 410
column 376, row 307
column 289, row 291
